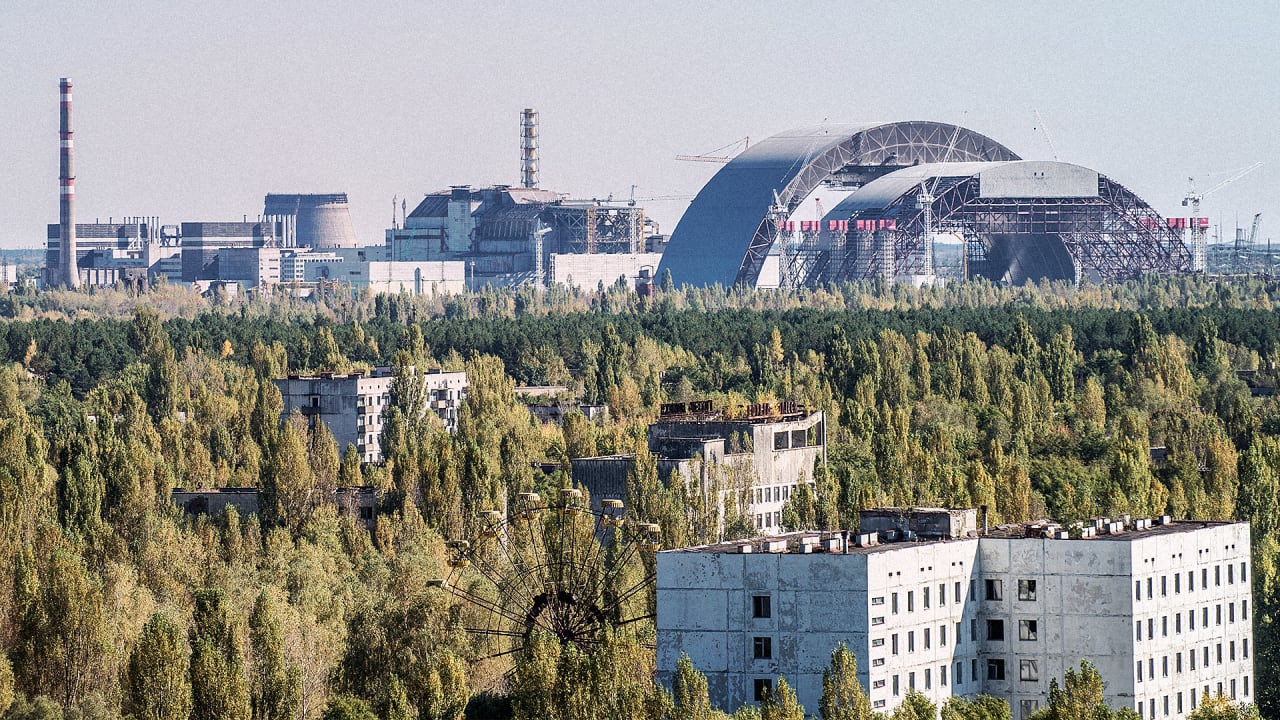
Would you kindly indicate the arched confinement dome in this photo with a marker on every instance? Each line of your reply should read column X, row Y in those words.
column 727, row 231
column 1024, row 220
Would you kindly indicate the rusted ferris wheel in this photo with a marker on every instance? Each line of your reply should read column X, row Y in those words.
column 562, row 569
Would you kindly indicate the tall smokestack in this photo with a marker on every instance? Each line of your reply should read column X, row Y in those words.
column 529, row 148
column 67, row 208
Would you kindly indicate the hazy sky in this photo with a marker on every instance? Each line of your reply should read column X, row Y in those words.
column 194, row 111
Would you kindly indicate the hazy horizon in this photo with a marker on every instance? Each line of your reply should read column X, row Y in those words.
column 195, row 111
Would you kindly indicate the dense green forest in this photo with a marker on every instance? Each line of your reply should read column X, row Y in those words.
column 1036, row 401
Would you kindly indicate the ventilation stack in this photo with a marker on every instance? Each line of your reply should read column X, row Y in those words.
column 69, row 273
column 529, row 148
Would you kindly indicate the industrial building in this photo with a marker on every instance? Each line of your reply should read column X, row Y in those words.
column 929, row 600
column 908, row 185
column 756, row 461
column 511, row 236
column 352, row 405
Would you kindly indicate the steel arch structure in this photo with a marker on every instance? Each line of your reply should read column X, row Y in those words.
column 1011, row 235
column 731, row 225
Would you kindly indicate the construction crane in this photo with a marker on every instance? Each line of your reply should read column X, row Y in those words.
column 1192, row 200
column 1253, row 232
column 713, row 156
column 1044, row 129
column 632, row 199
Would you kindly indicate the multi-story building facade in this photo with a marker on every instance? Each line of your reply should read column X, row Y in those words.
column 352, row 405
column 929, row 602
column 757, row 461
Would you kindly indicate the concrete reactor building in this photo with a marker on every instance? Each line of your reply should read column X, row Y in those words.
column 511, row 236
column 927, row 600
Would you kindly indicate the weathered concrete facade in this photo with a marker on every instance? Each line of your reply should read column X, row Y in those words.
column 764, row 459
column 1161, row 610
column 352, row 406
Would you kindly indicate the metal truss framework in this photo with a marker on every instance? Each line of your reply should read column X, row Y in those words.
column 863, row 157
column 1115, row 235
column 594, row 229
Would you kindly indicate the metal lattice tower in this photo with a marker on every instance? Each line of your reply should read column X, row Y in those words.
column 529, row 148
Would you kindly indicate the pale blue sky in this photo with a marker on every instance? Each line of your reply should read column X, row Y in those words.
column 193, row 111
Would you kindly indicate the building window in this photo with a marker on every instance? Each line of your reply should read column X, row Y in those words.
column 1149, row 594
column 877, row 600
column 1244, row 578
column 995, row 669
column 995, row 589
column 1139, row 665
column 877, row 662
column 911, row 601
column 911, row 681
column 1231, row 612
column 942, row 593
column 1244, row 648
column 957, row 593
column 1177, row 623
column 1164, row 585
column 1244, row 609
column 893, row 642
column 1027, row 590
column 1164, row 666
column 928, row 644
column 878, row 704
column 1177, row 662
column 1029, row 708
column 893, row 604
column 973, row 669
column 926, row 598
column 763, row 689
column 995, row 630
column 911, row 641
column 1137, row 589
column 877, row 642
column 1191, row 619
column 1137, row 630
column 1218, row 612
column 1204, row 616
column 1164, row 626
column 1231, row 652
column 1026, row 629
column 942, row 635
column 1204, row 577
column 1231, row 574
column 1217, row 574
column 959, row 674
column 762, row 648
column 1179, row 703
column 1192, row 657
column 877, row 684
column 1191, row 587
column 761, row 606
column 1151, row 628
column 1028, row 671
column 879, row 620
column 897, row 690
column 942, row 675
column 1177, row 583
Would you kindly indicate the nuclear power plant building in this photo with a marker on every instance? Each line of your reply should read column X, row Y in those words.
column 511, row 236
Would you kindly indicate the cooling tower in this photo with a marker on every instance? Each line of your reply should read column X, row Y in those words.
column 316, row 221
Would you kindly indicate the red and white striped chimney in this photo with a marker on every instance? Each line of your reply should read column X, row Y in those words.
column 67, row 208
